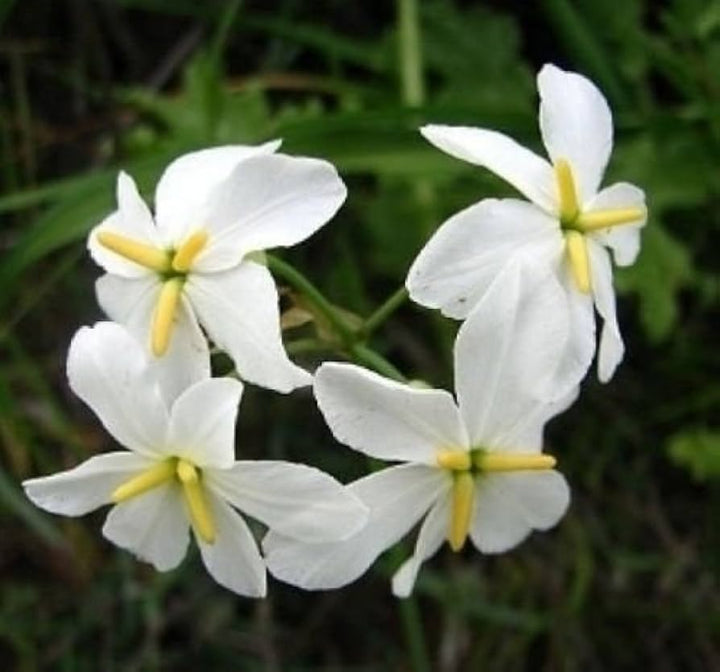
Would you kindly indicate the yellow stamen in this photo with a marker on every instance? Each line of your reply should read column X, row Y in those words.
column 147, row 480
column 463, row 495
column 187, row 252
column 200, row 515
column 164, row 318
column 513, row 461
column 578, row 256
column 145, row 255
column 457, row 460
column 569, row 207
column 603, row 219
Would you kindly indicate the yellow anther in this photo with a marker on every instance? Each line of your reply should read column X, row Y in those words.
column 164, row 317
column 200, row 515
column 567, row 193
column 186, row 253
column 463, row 495
column 603, row 219
column 145, row 255
column 513, row 461
column 576, row 248
column 457, row 460
column 147, row 480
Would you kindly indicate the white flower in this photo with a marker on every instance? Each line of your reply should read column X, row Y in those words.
column 189, row 266
column 180, row 471
column 569, row 224
column 470, row 467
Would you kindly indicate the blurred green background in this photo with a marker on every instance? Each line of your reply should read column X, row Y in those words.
column 628, row 580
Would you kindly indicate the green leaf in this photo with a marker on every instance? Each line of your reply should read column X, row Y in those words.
column 663, row 268
column 698, row 451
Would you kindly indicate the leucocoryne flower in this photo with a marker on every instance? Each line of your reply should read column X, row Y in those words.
column 193, row 262
column 180, row 470
column 568, row 224
column 471, row 466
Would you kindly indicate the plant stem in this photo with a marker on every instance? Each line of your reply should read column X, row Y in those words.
column 412, row 623
column 410, row 53
column 413, row 95
column 313, row 295
column 364, row 355
column 391, row 304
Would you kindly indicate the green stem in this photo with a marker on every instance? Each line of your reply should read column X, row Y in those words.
column 391, row 304
column 412, row 624
column 313, row 295
column 302, row 345
column 410, row 53
column 368, row 357
column 357, row 351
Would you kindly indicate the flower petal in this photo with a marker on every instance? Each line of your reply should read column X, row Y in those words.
column 508, row 351
column 233, row 560
column 86, row 487
column 611, row 348
column 121, row 390
column 291, row 499
column 202, row 423
column 624, row 239
column 183, row 193
column 509, row 506
column 431, row 537
column 576, row 125
column 458, row 264
column 529, row 173
column 132, row 303
column 526, row 435
column 239, row 310
column 397, row 498
column 385, row 419
column 581, row 345
column 152, row 526
column 133, row 220
column 269, row 201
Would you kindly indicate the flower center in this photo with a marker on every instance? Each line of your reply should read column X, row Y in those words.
column 190, row 479
column 575, row 223
column 465, row 466
column 172, row 266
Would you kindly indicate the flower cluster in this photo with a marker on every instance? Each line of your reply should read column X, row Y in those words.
column 525, row 278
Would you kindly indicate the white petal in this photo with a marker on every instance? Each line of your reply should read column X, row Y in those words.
column 233, row 560
column 202, row 423
column 152, row 526
column 291, row 499
column 385, row 419
column 511, row 505
column 397, row 498
column 624, row 239
column 508, row 351
column 239, row 310
column 576, row 125
column 109, row 371
column 581, row 345
column 462, row 259
column 611, row 348
column 133, row 220
column 132, row 303
column 269, row 201
column 183, row 192
column 432, row 535
column 526, row 435
column 86, row 487
column 529, row 173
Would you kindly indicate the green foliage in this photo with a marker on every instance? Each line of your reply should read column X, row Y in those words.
column 698, row 451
